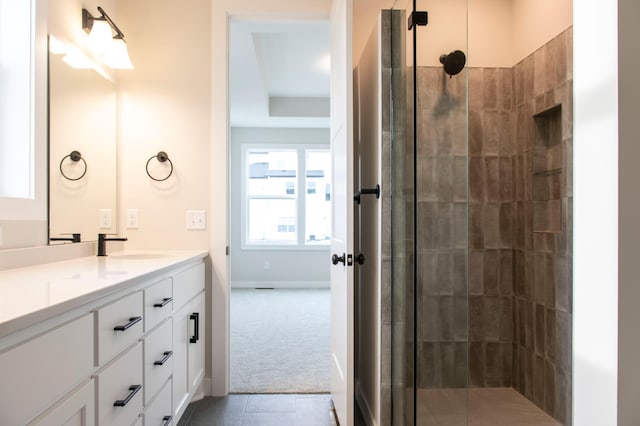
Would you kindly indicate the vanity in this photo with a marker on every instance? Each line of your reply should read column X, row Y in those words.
column 115, row 340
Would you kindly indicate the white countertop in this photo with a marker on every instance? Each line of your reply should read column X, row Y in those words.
column 36, row 293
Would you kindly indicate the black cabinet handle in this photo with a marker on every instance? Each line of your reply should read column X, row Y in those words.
column 196, row 325
column 133, row 389
column 167, row 420
column 164, row 302
column 131, row 323
column 167, row 355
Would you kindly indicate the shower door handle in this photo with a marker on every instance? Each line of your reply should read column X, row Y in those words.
column 360, row 259
column 366, row 191
column 335, row 259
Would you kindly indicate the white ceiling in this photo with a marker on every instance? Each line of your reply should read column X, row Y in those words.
column 285, row 62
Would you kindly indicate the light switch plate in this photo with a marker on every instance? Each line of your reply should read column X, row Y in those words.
column 105, row 218
column 132, row 219
column 196, row 219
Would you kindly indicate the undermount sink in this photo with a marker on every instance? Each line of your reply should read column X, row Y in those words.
column 138, row 256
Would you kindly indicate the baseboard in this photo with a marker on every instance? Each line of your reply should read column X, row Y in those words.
column 369, row 418
column 279, row 284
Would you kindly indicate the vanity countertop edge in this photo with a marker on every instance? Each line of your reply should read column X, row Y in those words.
column 34, row 294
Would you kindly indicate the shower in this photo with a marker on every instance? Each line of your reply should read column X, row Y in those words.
column 454, row 62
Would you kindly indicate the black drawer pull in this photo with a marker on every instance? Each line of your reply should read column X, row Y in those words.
column 133, row 389
column 131, row 323
column 167, row 355
column 196, row 325
column 164, row 302
column 167, row 420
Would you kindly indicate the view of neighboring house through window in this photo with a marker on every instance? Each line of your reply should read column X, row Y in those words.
column 288, row 196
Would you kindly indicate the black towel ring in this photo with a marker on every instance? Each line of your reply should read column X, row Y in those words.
column 75, row 156
column 161, row 157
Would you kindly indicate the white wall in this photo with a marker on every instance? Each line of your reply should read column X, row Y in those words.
column 288, row 268
column 595, row 282
column 165, row 105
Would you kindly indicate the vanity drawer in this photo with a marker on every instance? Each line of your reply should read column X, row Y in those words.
column 187, row 284
column 159, row 412
column 158, row 303
column 40, row 371
column 119, row 325
column 120, row 389
column 158, row 359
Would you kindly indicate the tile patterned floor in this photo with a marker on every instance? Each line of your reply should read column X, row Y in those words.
column 262, row 410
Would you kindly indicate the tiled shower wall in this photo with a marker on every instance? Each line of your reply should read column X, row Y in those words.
column 543, row 225
column 519, row 219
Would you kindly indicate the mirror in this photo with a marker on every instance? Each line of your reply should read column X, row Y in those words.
column 82, row 147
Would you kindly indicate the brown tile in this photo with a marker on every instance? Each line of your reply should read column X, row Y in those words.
column 492, row 318
column 563, row 283
column 444, row 226
column 563, row 340
column 476, row 179
column 518, row 83
column 448, row 363
column 476, row 364
column 506, row 178
column 490, row 94
column 427, row 225
column 549, row 282
column 492, row 179
column 491, row 270
column 549, row 388
column 540, row 329
column 460, row 221
column 444, row 273
column 427, row 272
column 507, row 363
column 550, row 335
column 538, row 380
column 445, row 330
column 529, row 321
column 427, row 188
column 476, row 88
column 505, row 88
column 506, row 319
column 539, row 275
column 475, row 132
column 460, row 318
column 460, row 286
column 428, row 365
column 506, row 220
column 562, row 396
column 476, row 318
column 476, row 224
column 493, row 365
column 491, row 225
column 430, row 319
column 491, row 132
column 519, row 273
column 476, row 272
column 460, row 178
column 506, row 272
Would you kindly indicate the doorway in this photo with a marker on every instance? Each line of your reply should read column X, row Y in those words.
column 280, row 197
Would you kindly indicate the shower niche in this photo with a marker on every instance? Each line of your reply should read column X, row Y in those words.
column 547, row 171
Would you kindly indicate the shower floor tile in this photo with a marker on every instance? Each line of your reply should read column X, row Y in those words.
column 487, row 407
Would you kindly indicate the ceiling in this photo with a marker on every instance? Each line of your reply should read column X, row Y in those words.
column 279, row 73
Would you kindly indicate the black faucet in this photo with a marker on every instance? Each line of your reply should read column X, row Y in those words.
column 102, row 246
column 74, row 238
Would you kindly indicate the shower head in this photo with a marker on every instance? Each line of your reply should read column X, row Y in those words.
column 453, row 62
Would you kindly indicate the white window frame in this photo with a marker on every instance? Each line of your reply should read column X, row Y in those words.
column 300, row 244
column 32, row 203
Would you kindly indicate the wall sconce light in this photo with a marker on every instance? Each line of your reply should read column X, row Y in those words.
column 111, row 49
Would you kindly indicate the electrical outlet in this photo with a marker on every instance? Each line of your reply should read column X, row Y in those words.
column 196, row 219
column 105, row 218
column 132, row 219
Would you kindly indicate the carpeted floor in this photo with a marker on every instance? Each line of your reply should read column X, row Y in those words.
column 280, row 340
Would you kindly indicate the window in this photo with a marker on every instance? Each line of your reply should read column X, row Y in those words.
column 288, row 197
column 16, row 99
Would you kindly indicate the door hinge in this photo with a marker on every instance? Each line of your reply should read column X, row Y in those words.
column 227, row 250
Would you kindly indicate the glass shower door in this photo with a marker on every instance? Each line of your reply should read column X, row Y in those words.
column 430, row 359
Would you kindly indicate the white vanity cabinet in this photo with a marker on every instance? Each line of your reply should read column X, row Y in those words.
column 188, row 333
column 132, row 356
